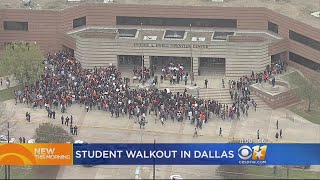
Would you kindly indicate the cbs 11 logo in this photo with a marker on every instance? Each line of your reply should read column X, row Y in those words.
column 255, row 153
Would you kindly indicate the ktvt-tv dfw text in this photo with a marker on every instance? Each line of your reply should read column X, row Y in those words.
column 252, row 154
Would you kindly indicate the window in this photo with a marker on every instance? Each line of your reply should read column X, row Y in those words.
column 195, row 22
column 272, row 27
column 174, row 34
column 131, row 33
column 304, row 40
column 80, row 22
column 16, row 26
column 221, row 35
column 304, row 61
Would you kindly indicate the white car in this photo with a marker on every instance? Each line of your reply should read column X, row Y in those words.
column 175, row 177
column 80, row 142
column 4, row 139
column 31, row 141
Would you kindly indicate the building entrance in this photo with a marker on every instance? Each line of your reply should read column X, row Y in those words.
column 68, row 50
column 127, row 62
column 212, row 66
column 279, row 57
column 160, row 62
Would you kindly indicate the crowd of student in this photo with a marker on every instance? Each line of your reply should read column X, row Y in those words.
column 175, row 73
column 66, row 83
column 141, row 75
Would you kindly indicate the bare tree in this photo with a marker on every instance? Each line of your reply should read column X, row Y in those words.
column 5, row 115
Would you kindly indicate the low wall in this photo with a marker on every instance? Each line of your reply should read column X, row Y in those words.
column 279, row 100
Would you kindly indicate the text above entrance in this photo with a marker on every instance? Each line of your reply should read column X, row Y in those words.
column 169, row 45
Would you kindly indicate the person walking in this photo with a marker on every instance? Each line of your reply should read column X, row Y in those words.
column 112, row 112
column 23, row 140
column 274, row 170
column 258, row 134
column 162, row 121
column 206, row 83
column 27, row 114
column 277, row 124
column 185, row 80
column 29, row 117
column 195, row 134
column 54, row 114
column 49, row 113
column 220, row 131
column 71, row 129
column 62, row 119
column 67, row 121
column 75, row 130
column 280, row 133
column 277, row 136
column 87, row 108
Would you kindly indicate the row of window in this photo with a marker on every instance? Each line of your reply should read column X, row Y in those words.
column 186, row 22
column 152, row 21
column 14, row 25
column 296, row 37
column 304, row 61
column 304, row 40
column 24, row 26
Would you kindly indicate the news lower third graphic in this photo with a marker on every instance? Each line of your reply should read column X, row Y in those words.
column 36, row 154
column 160, row 154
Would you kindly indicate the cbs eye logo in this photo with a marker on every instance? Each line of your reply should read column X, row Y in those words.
column 256, row 152
column 245, row 152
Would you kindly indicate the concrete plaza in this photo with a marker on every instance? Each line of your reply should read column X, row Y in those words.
column 99, row 127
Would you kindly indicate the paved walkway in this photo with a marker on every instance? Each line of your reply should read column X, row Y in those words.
column 98, row 127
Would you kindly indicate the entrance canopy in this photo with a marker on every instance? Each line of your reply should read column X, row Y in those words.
column 178, row 35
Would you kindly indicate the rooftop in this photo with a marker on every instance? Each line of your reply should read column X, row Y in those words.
column 156, row 35
column 296, row 9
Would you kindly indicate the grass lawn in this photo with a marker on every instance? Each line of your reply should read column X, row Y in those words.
column 2, row 73
column 292, row 76
column 31, row 172
column 313, row 116
column 300, row 109
column 265, row 172
column 18, row 172
column 7, row 94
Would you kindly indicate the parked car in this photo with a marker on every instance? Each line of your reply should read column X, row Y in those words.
column 31, row 141
column 79, row 142
column 4, row 139
column 176, row 177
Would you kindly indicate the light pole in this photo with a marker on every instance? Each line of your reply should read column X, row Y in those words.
column 142, row 59
column 191, row 59
column 7, row 167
